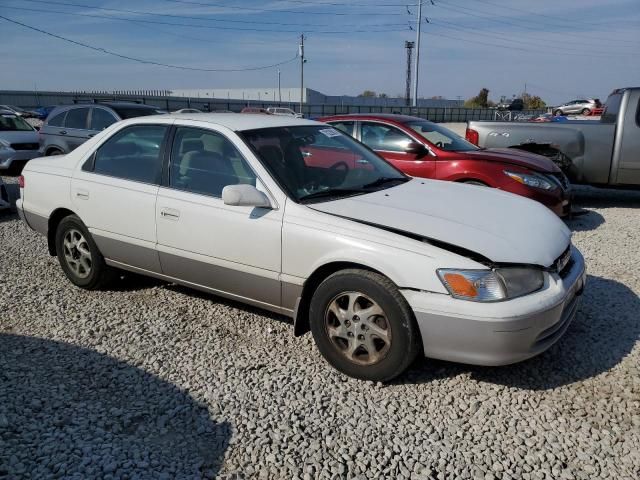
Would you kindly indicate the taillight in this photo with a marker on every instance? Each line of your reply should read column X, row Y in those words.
column 472, row 136
column 21, row 181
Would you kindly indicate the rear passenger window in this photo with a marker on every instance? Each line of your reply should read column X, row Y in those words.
column 132, row 154
column 77, row 118
column 346, row 127
column 58, row 120
column 101, row 119
column 205, row 162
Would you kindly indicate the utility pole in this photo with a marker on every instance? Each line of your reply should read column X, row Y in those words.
column 302, row 60
column 409, row 46
column 279, row 90
column 417, row 69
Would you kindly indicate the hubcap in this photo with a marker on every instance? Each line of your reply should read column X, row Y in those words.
column 77, row 253
column 358, row 328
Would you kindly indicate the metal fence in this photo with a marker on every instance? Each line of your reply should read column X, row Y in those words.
column 33, row 99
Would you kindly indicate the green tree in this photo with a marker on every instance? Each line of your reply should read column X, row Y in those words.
column 368, row 93
column 479, row 101
column 533, row 102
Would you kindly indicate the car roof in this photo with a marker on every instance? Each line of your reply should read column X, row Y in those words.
column 232, row 121
column 394, row 117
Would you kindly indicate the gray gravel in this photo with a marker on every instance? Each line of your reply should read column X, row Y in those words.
column 151, row 380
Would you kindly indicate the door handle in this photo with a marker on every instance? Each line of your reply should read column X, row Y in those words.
column 82, row 194
column 63, row 132
column 307, row 154
column 170, row 214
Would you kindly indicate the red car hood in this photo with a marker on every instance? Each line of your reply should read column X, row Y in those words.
column 513, row 156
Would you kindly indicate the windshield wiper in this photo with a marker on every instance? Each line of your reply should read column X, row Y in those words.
column 332, row 192
column 382, row 180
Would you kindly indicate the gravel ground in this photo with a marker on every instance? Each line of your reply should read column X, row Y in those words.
column 151, row 380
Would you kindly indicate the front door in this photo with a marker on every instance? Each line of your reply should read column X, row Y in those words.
column 390, row 143
column 115, row 195
column 231, row 250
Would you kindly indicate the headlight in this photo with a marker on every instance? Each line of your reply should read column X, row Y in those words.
column 531, row 179
column 491, row 285
column 4, row 146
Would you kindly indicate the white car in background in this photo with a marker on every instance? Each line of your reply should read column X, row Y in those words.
column 299, row 218
column 287, row 112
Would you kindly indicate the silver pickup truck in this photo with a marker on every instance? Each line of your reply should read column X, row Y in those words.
column 604, row 152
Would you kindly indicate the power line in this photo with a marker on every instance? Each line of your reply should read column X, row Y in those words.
column 463, row 29
column 510, row 47
column 351, row 4
column 148, row 62
column 192, row 25
column 276, row 10
column 510, row 21
column 187, row 17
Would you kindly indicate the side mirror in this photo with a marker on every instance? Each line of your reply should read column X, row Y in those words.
column 416, row 148
column 244, row 196
column 36, row 128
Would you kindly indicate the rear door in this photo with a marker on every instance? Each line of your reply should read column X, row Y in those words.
column 76, row 127
column 99, row 119
column 115, row 191
column 390, row 143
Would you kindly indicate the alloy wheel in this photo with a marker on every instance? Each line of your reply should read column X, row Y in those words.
column 358, row 328
column 77, row 253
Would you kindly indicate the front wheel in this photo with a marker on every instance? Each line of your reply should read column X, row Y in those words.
column 363, row 326
column 79, row 257
column 585, row 111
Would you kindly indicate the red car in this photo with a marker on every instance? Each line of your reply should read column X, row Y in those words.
column 425, row 149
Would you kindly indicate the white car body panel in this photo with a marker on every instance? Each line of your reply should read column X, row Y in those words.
column 265, row 256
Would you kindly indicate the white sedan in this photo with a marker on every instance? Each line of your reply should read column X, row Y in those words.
column 296, row 217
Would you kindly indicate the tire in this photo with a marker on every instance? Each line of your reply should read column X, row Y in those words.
column 475, row 182
column 558, row 113
column 79, row 257
column 585, row 111
column 388, row 342
column 54, row 151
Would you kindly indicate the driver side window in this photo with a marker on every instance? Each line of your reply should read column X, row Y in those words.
column 384, row 137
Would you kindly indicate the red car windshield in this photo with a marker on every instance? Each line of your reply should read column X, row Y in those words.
column 441, row 137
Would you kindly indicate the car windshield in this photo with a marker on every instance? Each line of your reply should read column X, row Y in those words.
column 132, row 112
column 441, row 137
column 320, row 163
column 10, row 122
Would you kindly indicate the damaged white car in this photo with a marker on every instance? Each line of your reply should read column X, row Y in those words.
column 296, row 217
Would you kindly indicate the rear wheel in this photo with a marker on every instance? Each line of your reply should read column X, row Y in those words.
column 363, row 326
column 79, row 256
column 558, row 113
column 54, row 151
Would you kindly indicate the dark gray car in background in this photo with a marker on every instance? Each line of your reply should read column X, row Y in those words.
column 69, row 126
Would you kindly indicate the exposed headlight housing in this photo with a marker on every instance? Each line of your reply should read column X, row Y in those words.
column 534, row 180
column 491, row 285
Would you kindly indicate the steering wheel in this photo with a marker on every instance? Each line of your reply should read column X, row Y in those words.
column 338, row 167
column 439, row 144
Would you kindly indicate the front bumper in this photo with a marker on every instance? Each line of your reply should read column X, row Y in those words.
column 499, row 333
column 7, row 158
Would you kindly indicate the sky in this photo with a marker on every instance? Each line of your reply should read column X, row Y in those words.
column 559, row 49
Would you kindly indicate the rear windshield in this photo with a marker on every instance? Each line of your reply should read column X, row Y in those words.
column 132, row 112
column 13, row 123
column 612, row 108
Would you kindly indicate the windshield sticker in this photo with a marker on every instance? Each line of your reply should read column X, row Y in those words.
column 8, row 116
column 330, row 132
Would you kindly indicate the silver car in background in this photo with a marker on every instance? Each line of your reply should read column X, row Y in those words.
column 575, row 107
column 18, row 142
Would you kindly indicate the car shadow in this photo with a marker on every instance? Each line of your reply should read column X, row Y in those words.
column 67, row 410
column 584, row 220
column 604, row 332
column 593, row 197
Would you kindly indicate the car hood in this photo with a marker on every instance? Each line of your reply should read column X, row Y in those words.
column 514, row 156
column 500, row 226
column 19, row 137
